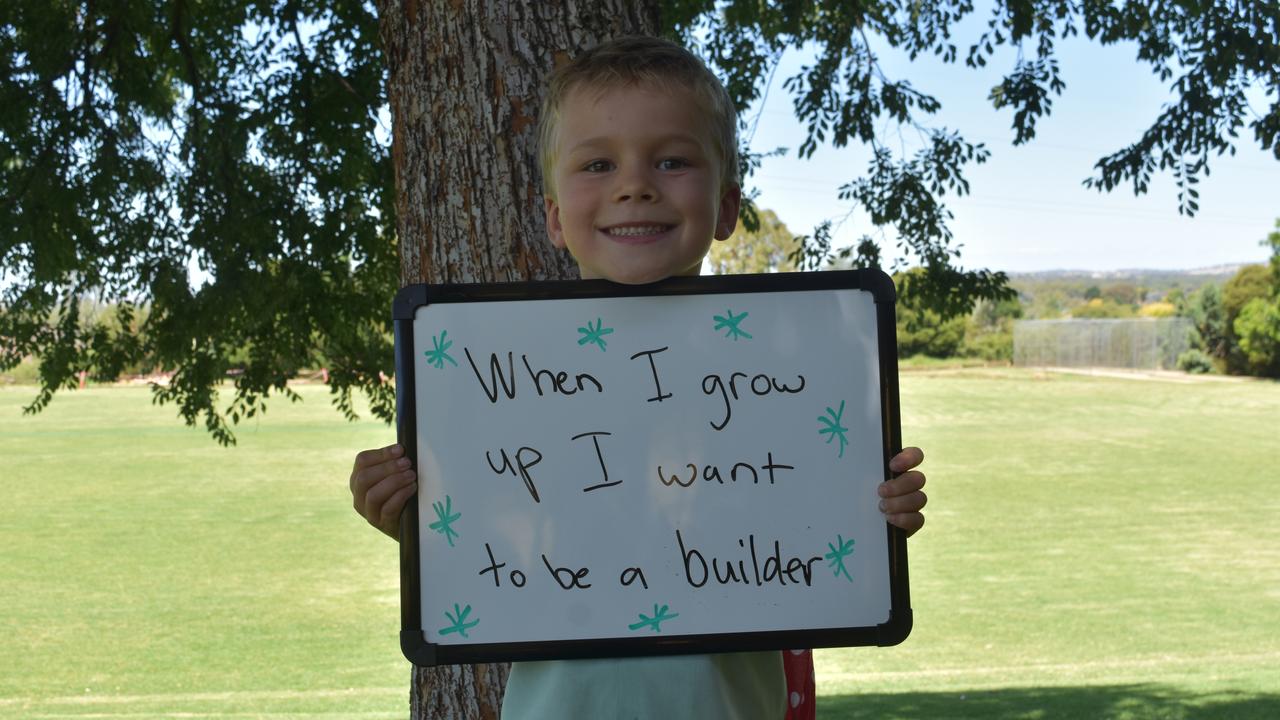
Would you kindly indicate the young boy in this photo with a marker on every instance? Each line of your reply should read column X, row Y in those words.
column 639, row 160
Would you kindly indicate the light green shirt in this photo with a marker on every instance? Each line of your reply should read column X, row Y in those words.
column 731, row 686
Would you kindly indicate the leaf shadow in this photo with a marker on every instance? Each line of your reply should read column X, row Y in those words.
column 1118, row 702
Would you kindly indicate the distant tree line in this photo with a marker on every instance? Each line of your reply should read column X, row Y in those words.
column 1236, row 325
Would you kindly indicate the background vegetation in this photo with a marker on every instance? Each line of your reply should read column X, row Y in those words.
column 1235, row 310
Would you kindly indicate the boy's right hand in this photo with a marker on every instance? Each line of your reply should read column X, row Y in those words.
column 381, row 483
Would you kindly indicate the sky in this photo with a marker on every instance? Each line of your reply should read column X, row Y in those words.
column 1027, row 210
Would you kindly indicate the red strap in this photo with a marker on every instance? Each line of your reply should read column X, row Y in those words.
column 798, row 666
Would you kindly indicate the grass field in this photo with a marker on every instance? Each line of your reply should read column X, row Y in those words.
column 1096, row 547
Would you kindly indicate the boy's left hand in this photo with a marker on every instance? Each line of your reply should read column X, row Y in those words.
column 901, row 499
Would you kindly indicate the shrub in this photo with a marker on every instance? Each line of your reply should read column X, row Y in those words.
column 923, row 332
column 1101, row 308
column 1258, row 327
column 1157, row 310
column 1195, row 361
column 990, row 346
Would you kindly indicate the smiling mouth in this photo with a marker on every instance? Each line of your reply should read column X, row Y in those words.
column 636, row 231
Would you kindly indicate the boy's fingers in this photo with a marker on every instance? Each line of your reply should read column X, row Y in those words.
column 366, row 458
column 910, row 522
column 363, row 478
column 379, row 494
column 389, row 518
column 906, row 483
column 907, row 459
column 912, row 503
column 902, row 500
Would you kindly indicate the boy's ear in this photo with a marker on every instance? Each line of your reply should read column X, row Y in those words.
column 555, row 231
column 727, row 218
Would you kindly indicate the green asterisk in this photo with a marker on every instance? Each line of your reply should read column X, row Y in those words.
column 459, row 619
column 444, row 511
column 594, row 334
column 731, row 323
column 659, row 616
column 439, row 355
column 840, row 549
column 833, row 427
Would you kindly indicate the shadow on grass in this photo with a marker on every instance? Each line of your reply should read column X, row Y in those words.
column 1118, row 702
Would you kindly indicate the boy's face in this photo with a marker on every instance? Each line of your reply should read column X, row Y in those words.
column 638, row 183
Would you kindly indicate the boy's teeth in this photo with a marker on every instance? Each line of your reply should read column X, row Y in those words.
column 637, row 230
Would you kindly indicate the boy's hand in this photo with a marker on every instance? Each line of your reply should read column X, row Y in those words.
column 381, row 483
column 901, row 499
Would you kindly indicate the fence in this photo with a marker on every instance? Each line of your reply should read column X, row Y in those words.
column 1138, row 344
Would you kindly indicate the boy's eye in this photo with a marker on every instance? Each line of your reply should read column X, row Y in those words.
column 673, row 164
column 597, row 166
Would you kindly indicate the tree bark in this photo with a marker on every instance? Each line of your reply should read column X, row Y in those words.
column 465, row 84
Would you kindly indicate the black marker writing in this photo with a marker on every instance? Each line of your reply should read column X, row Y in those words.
column 495, row 376
column 653, row 367
column 595, row 439
column 712, row 473
column 567, row 578
column 726, row 571
column 770, row 466
column 520, row 468
column 630, row 575
column 515, row 576
column 557, row 381
column 676, row 479
column 760, row 385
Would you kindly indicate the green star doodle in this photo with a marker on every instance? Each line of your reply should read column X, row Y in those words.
column 446, row 515
column 659, row 616
column 459, row 619
column 730, row 323
column 833, row 427
column 840, row 549
column 594, row 334
column 437, row 356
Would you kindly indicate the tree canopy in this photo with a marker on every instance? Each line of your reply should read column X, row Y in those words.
column 216, row 164
column 219, row 172
column 767, row 248
column 1256, row 321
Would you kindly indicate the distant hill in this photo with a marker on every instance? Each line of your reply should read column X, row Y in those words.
column 1055, row 293
column 1196, row 276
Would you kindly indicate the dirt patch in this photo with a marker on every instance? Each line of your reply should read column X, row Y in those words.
column 1172, row 376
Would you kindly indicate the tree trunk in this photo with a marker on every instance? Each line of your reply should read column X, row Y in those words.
column 466, row 81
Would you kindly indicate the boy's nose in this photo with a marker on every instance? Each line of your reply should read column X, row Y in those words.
column 635, row 186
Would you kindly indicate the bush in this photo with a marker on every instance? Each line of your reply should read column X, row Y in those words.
column 1158, row 310
column 26, row 372
column 1252, row 282
column 990, row 346
column 1195, row 361
column 1102, row 308
column 1204, row 308
column 1258, row 327
column 923, row 332
column 988, row 332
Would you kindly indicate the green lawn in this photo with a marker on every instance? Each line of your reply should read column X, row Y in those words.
column 1096, row 547
column 149, row 572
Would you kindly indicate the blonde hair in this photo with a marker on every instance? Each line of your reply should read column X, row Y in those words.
column 649, row 62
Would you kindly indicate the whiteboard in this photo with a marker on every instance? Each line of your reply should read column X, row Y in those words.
column 683, row 467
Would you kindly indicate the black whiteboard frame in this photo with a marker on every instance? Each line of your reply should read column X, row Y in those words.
column 413, row 642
